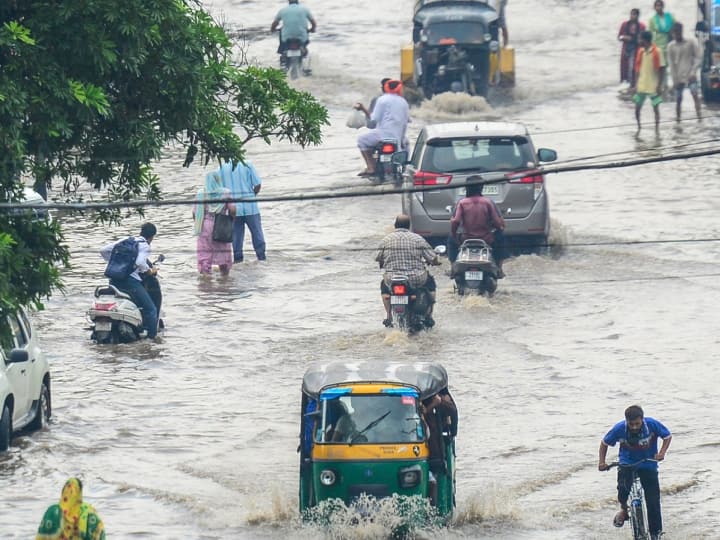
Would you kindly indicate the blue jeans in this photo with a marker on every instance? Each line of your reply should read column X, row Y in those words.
column 258, row 239
column 142, row 299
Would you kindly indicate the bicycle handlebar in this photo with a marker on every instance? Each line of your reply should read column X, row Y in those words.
column 629, row 465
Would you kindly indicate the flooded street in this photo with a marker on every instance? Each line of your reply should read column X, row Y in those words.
column 195, row 436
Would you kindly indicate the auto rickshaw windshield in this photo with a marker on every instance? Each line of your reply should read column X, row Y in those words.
column 371, row 418
column 454, row 32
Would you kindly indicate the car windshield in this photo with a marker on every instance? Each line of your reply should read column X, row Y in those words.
column 478, row 154
column 371, row 418
column 451, row 32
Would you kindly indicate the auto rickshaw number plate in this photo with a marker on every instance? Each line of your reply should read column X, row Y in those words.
column 398, row 299
column 472, row 275
column 294, row 52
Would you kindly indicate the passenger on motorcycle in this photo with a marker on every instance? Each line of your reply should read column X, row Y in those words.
column 369, row 110
column 477, row 216
column 294, row 19
column 390, row 117
column 407, row 253
column 133, row 285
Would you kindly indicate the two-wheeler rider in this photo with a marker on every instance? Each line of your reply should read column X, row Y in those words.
column 407, row 253
column 294, row 19
column 478, row 216
column 133, row 284
column 390, row 116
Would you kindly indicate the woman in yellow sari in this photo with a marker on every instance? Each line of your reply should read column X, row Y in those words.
column 71, row 518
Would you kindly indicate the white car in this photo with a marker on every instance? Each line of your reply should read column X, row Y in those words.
column 24, row 378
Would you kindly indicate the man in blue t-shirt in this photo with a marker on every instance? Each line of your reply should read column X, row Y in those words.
column 638, row 436
column 294, row 19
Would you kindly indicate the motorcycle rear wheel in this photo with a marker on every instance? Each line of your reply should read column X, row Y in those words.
column 293, row 64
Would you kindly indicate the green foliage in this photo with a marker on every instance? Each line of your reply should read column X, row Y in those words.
column 93, row 92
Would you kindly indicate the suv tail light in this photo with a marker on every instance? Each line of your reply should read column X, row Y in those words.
column 388, row 148
column 532, row 178
column 423, row 178
column 399, row 289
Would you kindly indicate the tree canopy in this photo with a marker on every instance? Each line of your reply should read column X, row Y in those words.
column 94, row 90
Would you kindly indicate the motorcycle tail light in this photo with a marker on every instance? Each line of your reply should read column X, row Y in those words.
column 104, row 307
column 388, row 148
column 399, row 289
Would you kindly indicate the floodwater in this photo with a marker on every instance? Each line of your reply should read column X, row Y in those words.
column 195, row 436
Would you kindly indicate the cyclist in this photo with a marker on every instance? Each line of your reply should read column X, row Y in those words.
column 638, row 437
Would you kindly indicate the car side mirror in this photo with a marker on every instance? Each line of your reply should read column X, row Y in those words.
column 17, row 356
column 545, row 154
column 399, row 158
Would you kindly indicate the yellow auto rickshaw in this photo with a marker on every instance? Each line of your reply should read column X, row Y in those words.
column 378, row 429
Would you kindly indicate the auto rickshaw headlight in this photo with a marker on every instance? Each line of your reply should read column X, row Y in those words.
column 487, row 37
column 327, row 477
column 409, row 477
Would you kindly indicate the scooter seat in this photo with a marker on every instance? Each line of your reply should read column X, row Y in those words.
column 109, row 290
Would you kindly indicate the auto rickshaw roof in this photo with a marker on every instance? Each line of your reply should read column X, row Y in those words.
column 428, row 377
column 438, row 11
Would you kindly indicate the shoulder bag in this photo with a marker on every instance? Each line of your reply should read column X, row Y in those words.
column 223, row 227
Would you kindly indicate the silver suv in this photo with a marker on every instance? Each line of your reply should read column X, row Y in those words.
column 24, row 378
column 503, row 153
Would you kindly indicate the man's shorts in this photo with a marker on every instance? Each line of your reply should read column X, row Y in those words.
column 430, row 285
column 693, row 87
column 640, row 98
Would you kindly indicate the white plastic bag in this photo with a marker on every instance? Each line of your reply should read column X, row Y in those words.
column 356, row 120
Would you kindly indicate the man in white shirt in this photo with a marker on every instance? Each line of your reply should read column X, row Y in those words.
column 683, row 56
column 390, row 115
column 133, row 284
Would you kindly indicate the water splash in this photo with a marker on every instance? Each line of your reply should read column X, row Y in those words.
column 450, row 106
column 493, row 504
column 368, row 518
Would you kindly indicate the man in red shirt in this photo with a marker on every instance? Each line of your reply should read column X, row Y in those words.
column 478, row 217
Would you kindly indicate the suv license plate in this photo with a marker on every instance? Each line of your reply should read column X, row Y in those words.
column 293, row 52
column 472, row 275
column 491, row 189
column 103, row 326
column 399, row 300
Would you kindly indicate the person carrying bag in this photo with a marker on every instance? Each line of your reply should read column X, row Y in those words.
column 214, row 226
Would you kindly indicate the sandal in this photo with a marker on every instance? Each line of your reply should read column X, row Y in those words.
column 366, row 173
column 620, row 518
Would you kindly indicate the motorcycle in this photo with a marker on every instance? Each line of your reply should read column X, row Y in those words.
column 389, row 161
column 410, row 307
column 114, row 316
column 475, row 270
column 294, row 59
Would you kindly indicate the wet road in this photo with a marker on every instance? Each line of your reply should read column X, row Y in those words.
column 195, row 436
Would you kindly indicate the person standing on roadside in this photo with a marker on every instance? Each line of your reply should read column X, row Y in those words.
column 649, row 72
column 660, row 25
column 683, row 56
column 243, row 182
column 638, row 436
column 629, row 35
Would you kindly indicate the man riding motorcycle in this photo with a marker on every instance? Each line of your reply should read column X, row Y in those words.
column 389, row 119
column 478, row 216
column 294, row 19
column 407, row 253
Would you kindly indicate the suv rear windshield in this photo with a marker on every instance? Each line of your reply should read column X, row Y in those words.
column 478, row 154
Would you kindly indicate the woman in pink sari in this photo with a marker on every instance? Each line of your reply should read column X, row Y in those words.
column 211, row 253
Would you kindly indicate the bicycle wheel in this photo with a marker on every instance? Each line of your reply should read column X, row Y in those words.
column 638, row 518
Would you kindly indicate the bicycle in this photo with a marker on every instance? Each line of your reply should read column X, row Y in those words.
column 636, row 507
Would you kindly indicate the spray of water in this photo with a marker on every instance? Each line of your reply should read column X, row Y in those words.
column 455, row 107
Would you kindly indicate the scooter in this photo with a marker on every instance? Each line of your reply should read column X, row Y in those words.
column 114, row 316
column 410, row 307
column 475, row 270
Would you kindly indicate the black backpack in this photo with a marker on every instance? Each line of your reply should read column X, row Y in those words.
column 122, row 259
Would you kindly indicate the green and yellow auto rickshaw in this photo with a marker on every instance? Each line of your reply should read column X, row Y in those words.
column 379, row 429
